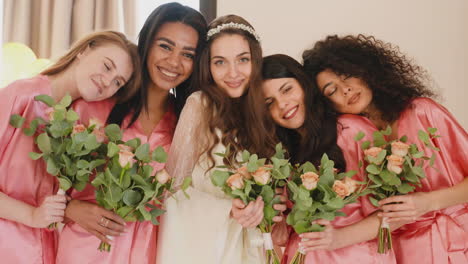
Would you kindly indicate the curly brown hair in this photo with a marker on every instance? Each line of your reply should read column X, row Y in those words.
column 393, row 78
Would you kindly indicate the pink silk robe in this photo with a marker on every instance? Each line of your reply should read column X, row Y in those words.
column 440, row 236
column 22, row 178
column 138, row 244
column 364, row 252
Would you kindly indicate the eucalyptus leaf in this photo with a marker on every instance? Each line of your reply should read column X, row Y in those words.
column 360, row 135
column 66, row 101
column 159, row 155
column 112, row 149
column 35, row 156
column 113, row 132
column 49, row 101
column 43, row 142
column 142, row 153
column 218, row 178
column 131, row 197
column 17, row 121
column 64, row 183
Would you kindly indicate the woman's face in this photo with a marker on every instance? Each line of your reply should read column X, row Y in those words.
column 349, row 95
column 102, row 71
column 230, row 64
column 284, row 98
column 171, row 56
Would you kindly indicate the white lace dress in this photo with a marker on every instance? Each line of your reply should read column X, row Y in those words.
column 199, row 230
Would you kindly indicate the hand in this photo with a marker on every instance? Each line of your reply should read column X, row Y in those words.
column 405, row 208
column 250, row 215
column 98, row 221
column 50, row 211
column 318, row 240
column 280, row 231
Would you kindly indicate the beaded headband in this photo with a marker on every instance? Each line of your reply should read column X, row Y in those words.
column 221, row 27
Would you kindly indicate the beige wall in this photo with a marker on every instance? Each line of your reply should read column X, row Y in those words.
column 433, row 32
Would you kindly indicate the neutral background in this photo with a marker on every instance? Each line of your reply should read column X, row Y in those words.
column 433, row 32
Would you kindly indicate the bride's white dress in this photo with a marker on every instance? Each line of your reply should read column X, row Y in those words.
column 199, row 230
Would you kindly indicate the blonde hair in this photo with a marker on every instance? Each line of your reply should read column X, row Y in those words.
column 98, row 39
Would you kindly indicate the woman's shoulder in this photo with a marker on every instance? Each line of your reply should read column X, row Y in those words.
column 29, row 87
column 350, row 125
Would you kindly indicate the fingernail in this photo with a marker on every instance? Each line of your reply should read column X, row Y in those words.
column 110, row 237
column 301, row 235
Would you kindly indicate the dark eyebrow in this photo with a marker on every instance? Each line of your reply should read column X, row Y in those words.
column 173, row 44
column 282, row 86
column 239, row 55
column 113, row 65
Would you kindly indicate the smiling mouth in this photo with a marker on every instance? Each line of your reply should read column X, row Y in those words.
column 98, row 86
column 167, row 73
column 291, row 113
column 354, row 98
column 234, row 84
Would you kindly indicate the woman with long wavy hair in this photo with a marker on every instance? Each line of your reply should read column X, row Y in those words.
column 169, row 45
column 224, row 113
column 364, row 76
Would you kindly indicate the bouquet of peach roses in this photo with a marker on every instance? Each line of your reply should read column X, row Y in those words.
column 319, row 194
column 127, row 184
column 252, row 178
column 393, row 168
column 69, row 149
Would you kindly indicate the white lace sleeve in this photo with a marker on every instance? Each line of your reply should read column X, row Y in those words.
column 187, row 141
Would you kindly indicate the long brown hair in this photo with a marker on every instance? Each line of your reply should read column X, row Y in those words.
column 98, row 39
column 244, row 129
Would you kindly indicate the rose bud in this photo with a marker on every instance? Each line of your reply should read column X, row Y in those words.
column 235, row 181
column 352, row 184
column 96, row 122
column 399, row 148
column 100, row 135
column 373, row 152
column 49, row 113
column 78, row 129
column 395, row 163
column 262, row 175
column 244, row 172
column 309, row 180
column 125, row 156
column 341, row 189
column 162, row 176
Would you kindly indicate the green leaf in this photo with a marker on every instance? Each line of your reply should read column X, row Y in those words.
column 335, row 203
column 386, row 176
column 424, row 137
column 418, row 155
column 387, row 131
column 267, row 194
column 138, row 179
column 91, row 142
column 359, row 136
column 59, row 115
column 66, row 101
column 418, row 171
column 374, row 201
column 82, row 164
column 64, row 183
column 80, row 185
column 432, row 160
column 43, row 142
column 45, row 99
column 72, row 116
column 379, row 139
column 35, row 156
column 405, row 188
column 218, row 178
column 113, row 132
column 142, row 152
column 186, row 183
column 432, row 130
column 365, row 144
column 404, row 139
column 376, row 179
column 60, row 128
column 52, row 167
column 124, row 211
column 159, row 155
column 252, row 164
column 17, row 121
column 83, row 175
column 308, row 167
column 115, row 193
column 112, row 149
column 157, row 212
column 134, row 143
column 245, row 156
column 373, row 169
column 279, row 151
column 131, row 197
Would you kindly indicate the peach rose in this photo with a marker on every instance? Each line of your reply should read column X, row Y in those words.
column 125, row 156
column 78, row 129
column 244, row 172
column 235, row 181
column 96, row 122
column 341, row 189
column 49, row 113
column 352, row 184
column 373, row 152
column 395, row 163
column 162, row 176
column 309, row 180
column 262, row 175
column 100, row 135
column 399, row 148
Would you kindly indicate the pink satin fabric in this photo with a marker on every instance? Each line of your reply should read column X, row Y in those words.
column 362, row 253
column 440, row 236
column 138, row 244
column 22, row 178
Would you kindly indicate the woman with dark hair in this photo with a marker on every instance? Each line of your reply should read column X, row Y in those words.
column 27, row 201
column 169, row 45
column 365, row 76
column 308, row 128
column 224, row 113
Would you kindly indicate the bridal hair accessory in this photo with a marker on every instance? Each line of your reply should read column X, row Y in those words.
column 221, row 27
